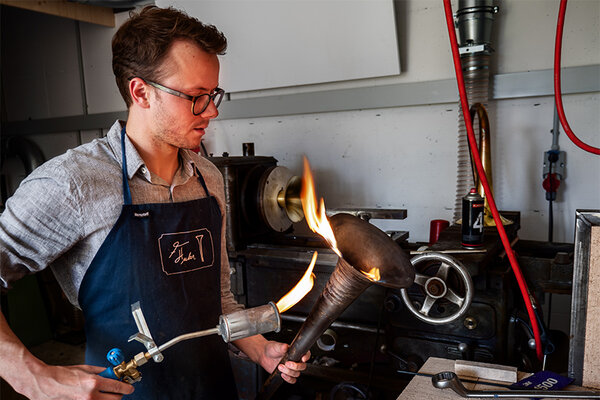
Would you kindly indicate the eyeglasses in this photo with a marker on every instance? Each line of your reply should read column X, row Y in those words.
column 199, row 103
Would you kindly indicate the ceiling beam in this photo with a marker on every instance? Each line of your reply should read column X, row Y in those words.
column 81, row 12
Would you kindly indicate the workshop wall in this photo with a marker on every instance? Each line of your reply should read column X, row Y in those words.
column 406, row 157
column 403, row 157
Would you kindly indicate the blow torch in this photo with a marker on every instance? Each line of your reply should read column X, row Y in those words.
column 233, row 326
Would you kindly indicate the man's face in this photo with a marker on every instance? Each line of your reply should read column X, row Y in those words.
column 190, row 70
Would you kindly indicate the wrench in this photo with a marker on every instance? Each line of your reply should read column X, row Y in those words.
column 449, row 379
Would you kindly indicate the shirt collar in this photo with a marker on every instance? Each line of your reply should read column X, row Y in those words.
column 134, row 160
column 189, row 166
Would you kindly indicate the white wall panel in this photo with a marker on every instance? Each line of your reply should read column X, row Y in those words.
column 101, row 89
column 299, row 42
column 523, row 38
column 523, row 134
column 388, row 158
column 406, row 158
column 526, row 31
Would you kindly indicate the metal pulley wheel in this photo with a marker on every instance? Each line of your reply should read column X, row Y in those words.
column 435, row 287
column 279, row 198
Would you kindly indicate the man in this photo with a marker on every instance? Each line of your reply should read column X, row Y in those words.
column 136, row 217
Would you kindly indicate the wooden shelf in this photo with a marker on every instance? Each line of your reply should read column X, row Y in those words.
column 81, row 12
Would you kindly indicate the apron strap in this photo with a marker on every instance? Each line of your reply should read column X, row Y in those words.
column 126, row 191
column 201, row 180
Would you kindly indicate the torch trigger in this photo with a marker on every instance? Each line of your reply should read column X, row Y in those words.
column 153, row 351
column 144, row 336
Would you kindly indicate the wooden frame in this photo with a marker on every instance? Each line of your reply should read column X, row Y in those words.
column 583, row 349
column 81, row 12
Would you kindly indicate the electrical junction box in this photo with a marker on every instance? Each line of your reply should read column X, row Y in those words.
column 558, row 167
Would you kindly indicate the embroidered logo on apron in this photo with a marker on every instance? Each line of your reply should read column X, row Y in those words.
column 182, row 252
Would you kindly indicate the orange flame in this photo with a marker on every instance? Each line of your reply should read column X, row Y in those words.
column 373, row 274
column 304, row 285
column 316, row 219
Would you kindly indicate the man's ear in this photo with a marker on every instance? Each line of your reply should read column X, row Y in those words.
column 138, row 90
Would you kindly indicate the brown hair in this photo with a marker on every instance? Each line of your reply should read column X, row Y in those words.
column 142, row 42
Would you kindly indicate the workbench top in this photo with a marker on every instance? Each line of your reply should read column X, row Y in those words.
column 421, row 388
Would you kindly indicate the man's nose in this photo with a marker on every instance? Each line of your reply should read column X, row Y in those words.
column 210, row 112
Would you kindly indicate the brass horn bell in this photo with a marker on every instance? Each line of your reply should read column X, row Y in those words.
column 485, row 153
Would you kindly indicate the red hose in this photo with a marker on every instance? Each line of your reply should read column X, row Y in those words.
column 486, row 187
column 557, row 89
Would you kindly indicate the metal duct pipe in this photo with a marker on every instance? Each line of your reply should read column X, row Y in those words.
column 474, row 22
column 363, row 247
column 477, row 82
column 28, row 152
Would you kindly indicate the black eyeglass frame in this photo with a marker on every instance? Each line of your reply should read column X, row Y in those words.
column 217, row 94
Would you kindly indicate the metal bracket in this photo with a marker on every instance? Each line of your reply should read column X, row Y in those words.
column 480, row 48
column 559, row 165
column 144, row 336
column 370, row 213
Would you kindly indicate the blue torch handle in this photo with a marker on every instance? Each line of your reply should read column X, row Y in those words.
column 115, row 357
column 109, row 373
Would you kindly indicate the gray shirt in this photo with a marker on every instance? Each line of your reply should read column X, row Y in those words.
column 62, row 212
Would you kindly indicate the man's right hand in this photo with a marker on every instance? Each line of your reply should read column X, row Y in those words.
column 37, row 380
column 80, row 382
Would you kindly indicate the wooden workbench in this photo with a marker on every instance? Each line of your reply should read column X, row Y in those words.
column 421, row 388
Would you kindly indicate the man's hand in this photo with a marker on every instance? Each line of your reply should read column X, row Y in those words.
column 273, row 353
column 267, row 354
column 72, row 382
column 37, row 380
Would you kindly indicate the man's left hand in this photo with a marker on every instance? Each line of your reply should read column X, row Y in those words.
column 273, row 352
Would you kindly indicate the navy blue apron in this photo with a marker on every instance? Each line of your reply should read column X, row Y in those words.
column 166, row 256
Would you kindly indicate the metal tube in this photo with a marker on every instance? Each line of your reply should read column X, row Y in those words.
column 344, row 285
column 448, row 379
column 457, row 251
column 237, row 325
column 364, row 248
column 555, row 129
column 474, row 20
column 337, row 324
column 188, row 336
column 477, row 82
column 478, row 109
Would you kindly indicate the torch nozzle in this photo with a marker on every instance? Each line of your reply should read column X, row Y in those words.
column 237, row 325
column 233, row 326
column 249, row 322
